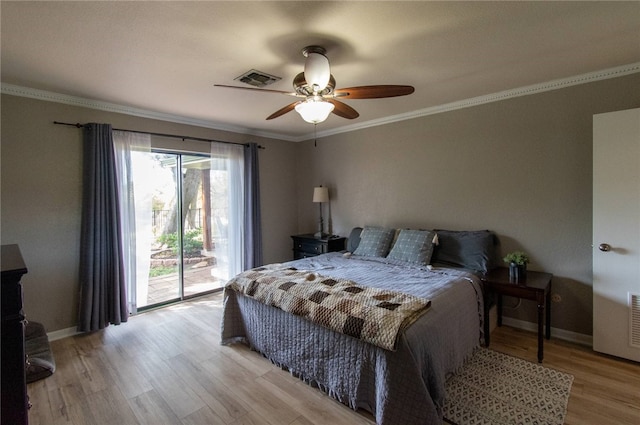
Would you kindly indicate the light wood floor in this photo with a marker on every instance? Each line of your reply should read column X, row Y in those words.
column 167, row 367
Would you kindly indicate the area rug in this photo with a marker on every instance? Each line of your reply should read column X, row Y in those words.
column 493, row 388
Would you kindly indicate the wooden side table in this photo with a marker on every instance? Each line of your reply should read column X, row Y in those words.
column 535, row 286
column 309, row 246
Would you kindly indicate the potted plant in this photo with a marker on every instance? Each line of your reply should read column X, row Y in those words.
column 517, row 261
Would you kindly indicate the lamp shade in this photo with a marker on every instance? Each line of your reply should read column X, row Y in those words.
column 314, row 111
column 320, row 194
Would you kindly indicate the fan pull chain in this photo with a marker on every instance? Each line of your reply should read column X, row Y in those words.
column 315, row 135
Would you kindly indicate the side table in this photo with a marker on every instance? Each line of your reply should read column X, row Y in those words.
column 308, row 245
column 535, row 286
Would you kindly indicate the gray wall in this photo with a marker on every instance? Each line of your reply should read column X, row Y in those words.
column 521, row 167
column 41, row 195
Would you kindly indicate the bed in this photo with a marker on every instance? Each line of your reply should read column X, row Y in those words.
column 402, row 383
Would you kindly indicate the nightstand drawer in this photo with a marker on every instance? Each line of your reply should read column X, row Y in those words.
column 309, row 246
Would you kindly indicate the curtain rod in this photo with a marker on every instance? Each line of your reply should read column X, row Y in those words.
column 199, row 139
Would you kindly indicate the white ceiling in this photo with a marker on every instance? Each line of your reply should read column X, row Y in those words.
column 165, row 57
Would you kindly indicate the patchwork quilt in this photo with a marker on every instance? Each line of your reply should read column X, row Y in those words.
column 376, row 316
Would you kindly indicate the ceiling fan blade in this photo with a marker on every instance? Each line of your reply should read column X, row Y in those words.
column 283, row 111
column 373, row 92
column 288, row 93
column 343, row 110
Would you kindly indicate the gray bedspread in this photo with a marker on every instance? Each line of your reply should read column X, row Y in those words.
column 399, row 387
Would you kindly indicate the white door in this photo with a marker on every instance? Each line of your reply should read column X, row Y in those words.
column 616, row 233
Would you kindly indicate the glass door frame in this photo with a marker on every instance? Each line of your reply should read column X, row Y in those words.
column 180, row 229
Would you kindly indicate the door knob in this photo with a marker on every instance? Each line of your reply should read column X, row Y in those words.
column 604, row 247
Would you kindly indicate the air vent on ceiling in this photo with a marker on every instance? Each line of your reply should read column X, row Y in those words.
column 257, row 78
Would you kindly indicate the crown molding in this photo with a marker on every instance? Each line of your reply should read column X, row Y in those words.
column 494, row 97
column 466, row 103
column 49, row 96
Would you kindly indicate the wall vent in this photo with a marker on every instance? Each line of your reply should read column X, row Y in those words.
column 257, row 78
column 634, row 314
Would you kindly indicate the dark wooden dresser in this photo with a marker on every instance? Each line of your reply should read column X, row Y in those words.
column 15, row 404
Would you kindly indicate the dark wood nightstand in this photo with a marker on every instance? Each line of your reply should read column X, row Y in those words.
column 309, row 246
column 535, row 286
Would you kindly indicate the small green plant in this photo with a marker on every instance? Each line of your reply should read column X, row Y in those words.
column 162, row 270
column 518, row 257
column 192, row 242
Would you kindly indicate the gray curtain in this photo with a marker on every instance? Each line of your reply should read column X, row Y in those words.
column 103, row 297
column 252, row 225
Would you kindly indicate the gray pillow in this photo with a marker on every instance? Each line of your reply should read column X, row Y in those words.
column 354, row 239
column 474, row 250
column 413, row 246
column 374, row 241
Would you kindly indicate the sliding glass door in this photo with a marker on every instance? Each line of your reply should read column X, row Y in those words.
column 187, row 232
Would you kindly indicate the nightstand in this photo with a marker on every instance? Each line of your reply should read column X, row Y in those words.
column 536, row 286
column 309, row 246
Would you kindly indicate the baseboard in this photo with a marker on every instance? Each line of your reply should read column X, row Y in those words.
column 62, row 333
column 562, row 334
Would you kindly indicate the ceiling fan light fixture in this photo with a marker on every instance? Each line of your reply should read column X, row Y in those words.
column 317, row 71
column 317, row 87
column 314, row 111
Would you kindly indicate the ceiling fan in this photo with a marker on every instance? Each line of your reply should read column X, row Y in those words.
column 315, row 87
